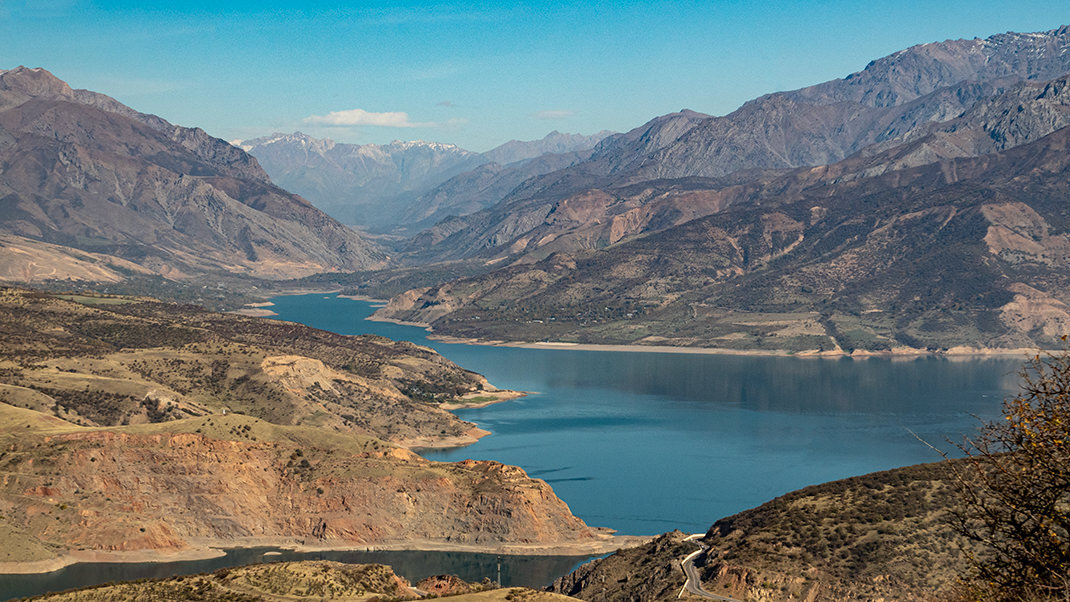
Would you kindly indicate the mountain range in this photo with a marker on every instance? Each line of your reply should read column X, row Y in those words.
column 913, row 206
column 391, row 187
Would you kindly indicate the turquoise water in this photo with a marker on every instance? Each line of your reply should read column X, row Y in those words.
column 532, row 571
column 649, row 442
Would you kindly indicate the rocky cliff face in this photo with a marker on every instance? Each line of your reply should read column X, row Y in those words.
column 79, row 170
column 236, row 480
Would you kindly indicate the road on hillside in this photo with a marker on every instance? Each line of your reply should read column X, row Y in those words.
column 693, row 585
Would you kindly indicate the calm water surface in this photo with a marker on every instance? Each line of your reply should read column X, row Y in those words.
column 532, row 571
column 649, row 442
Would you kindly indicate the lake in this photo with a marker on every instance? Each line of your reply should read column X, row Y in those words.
column 649, row 442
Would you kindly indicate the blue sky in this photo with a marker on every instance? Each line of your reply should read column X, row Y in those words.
column 473, row 74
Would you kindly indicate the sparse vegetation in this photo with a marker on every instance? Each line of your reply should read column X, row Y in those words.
column 107, row 360
column 1015, row 489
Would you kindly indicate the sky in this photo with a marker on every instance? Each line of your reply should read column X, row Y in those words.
column 471, row 74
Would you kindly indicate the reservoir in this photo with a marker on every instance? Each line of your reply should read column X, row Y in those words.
column 649, row 442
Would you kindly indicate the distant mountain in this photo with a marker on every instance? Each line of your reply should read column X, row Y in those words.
column 81, row 171
column 358, row 184
column 553, row 143
column 480, row 188
column 394, row 186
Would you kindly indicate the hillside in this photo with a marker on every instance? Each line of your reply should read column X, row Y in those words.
column 75, row 493
column 111, row 192
column 107, row 361
column 878, row 536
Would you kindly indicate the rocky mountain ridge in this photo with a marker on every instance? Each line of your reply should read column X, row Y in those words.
column 893, row 100
column 79, row 170
column 618, row 249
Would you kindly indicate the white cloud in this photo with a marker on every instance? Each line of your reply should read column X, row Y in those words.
column 351, row 117
column 551, row 115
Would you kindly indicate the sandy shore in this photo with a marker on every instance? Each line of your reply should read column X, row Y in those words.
column 899, row 352
column 417, row 443
column 427, row 327
column 364, row 298
column 204, row 548
column 482, row 399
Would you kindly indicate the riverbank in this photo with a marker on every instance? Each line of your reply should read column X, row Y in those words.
column 207, row 548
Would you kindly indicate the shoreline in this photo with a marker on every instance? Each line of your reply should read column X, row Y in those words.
column 898, row 353
column 499, row 396
column 954, row 352
column 208, row 548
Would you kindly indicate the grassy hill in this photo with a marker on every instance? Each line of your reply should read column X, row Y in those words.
column 878, row 536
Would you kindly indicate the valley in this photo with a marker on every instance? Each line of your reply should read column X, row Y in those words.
column 548, row 348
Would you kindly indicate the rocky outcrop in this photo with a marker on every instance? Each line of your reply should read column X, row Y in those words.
column 169, row 487
column 648, row 572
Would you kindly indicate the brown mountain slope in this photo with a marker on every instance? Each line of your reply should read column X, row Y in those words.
column 967, row 252
column 882, row 536
column 894, row 100
column 235, row 481
column 79, row 170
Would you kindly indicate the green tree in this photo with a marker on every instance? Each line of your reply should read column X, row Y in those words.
column 1015, row 486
